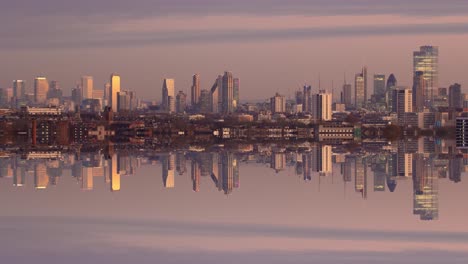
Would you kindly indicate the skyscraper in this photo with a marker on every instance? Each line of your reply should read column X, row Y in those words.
column 419, row 88
column 306, row 98
column 114, row 91
column 168, row 96
column 360, row 88
column 379, row 88
column 278, row 103
column 391, row 84
column 195, row 90
column 236, row 83
column 87, row 87
column 321, row 105
column 426, row 60
column 402, row 100
column 455, row 96
column 227, row 94
column 347, row 95
column 41, row 89
column 215, row 100
column 19, row 89
column 181, row 102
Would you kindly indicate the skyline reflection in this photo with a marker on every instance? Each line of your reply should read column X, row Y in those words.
column 366, row 168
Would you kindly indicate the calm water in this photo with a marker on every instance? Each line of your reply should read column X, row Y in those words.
column 398, row 203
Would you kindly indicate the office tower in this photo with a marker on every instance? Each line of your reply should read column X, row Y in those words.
column 54, row 91
column 87, row 87
column 215, row 96
column 306, row 99
column 19, row 89
column 168, row 171
column 426, row 60
column 379, row 88
column 347, row 95
column 321, row 106
column 360, row 89
column 456, row 97
column 181, row 102
column 98, row 94
column 41, row 90
column 236, row 84
column 402, row 100
column 123, row 101
column 107, row 91
column 391, row 84
column 278, row 103
column 419, row 87
column 76, row 96
column 168, row 96
column 299, row 97
column 204, row 105
column 114, row 92
column 227, row 94
column 195, row 90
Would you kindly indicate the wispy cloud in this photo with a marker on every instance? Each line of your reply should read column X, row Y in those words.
column 98, row 38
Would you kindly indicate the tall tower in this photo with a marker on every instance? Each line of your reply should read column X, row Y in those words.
column 227, row 93
column 114, row 92
column 278, row 103
column 41, row 89
column 168, row 96
column 426, row 60
column 19, row 89
column 321, row 105
column 455, row 96
column 402, row 100
column 347, row 95
column 181, row 99
column 379, row 87
column 87, row 87
column 195, row 90
column 419, row 87
column 236, row 88
column 360, row 88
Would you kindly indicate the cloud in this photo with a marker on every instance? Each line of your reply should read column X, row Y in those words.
column 83, row 38
column 138, row 8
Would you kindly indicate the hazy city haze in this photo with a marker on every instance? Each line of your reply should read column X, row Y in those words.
column 272, row 46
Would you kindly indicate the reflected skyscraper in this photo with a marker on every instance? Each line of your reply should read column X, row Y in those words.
column 168, row 170
column 114, row 172
column 196, row 173
column 41, row 178
column 426, row 193
column 360, row 182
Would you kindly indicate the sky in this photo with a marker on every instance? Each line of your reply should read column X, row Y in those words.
column 271, row 45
